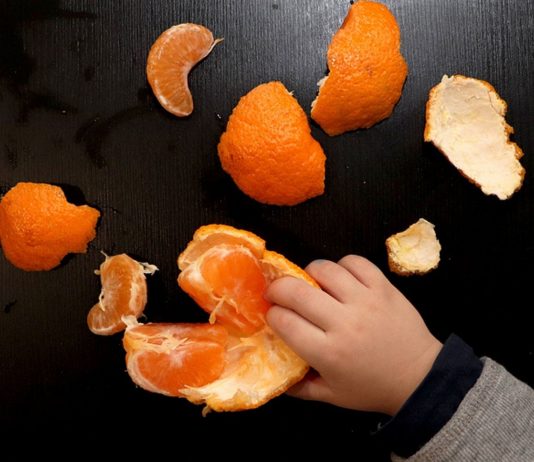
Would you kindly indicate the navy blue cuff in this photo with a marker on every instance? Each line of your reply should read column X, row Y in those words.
column 433, row 403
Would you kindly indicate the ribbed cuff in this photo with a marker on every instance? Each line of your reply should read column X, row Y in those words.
column 436, row 399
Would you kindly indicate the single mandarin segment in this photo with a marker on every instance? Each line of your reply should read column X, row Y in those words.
column 172, row 56
column 228, row 282
column 268, row 149
column 39, row 227
column 367, row 71
column 124, row 293
column 240, row 364
column 167, row 358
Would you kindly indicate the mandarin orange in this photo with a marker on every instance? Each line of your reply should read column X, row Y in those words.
column 268, row 149
column 226, row 270
column 38, row 227
column 367, row 71
column 171, row 58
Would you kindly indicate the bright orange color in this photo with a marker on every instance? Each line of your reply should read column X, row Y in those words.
column 166, row 358
column 268, row 149
column 202, row 362
column 171, row 58
column 38, row 227
column 229, row 275
column 367, row 71
column 124, row 293
column 230, row 287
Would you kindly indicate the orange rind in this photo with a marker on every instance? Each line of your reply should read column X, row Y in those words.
column 367, row 71
column 39, row 227
column 268, row 149
column 465, row 121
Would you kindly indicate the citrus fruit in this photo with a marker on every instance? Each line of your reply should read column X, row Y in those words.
column 124, row 293
column 268, row 149
column 236, row 362
column 367, row 71
column 166, row 358
column 258, row 368
column 225, row 271
column 465, row 121
column 38, row 227
column 415, row 250
column 171, row 58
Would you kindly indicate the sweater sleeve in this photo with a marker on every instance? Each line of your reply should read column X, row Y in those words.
column 494, row 422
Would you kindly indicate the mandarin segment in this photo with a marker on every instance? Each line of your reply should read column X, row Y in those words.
column 268, row 149
column 167, row 358
column 124, row 293
column 171, row 58
column 39, row 227
column 367, row 71
column 228, row 282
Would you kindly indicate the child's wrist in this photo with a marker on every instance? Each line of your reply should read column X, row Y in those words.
column 408, row 383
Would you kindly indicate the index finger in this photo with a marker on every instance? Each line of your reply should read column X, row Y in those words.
column 311, row 303
column 304, row 338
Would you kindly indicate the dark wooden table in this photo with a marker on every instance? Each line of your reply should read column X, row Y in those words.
column 75, row 110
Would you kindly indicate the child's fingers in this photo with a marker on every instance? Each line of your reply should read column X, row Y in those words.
column 312, row 387
column 362, row 269
column 301, row 336
column 335, row 279
column 309, row 302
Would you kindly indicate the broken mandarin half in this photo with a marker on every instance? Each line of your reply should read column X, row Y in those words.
column 234, row 362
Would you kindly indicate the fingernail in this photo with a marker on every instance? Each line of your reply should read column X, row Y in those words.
column 320, row 260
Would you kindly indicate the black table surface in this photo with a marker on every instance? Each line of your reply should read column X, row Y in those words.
column 76, row 110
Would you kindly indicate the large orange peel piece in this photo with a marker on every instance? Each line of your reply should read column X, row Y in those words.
column 226, row 270
column 268, row 149
column 367, row 71
column 39, row 227
column 171, row 58
column 465, row 120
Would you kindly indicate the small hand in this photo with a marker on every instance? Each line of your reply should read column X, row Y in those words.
column 366, row 341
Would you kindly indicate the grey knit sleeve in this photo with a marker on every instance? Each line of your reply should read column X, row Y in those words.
column 494, row 422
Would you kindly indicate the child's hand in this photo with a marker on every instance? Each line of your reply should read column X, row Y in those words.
column 369, row 345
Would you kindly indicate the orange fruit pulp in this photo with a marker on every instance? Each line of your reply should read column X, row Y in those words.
column 166, row 358
column 172, row 56
column 236, row 362
column 124, row 293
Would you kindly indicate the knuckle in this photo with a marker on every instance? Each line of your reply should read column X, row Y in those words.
column 277, row 288
column 363, row 266
column 280, row 318
column 356, row 261
column 321, row 269
column 300, row 292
